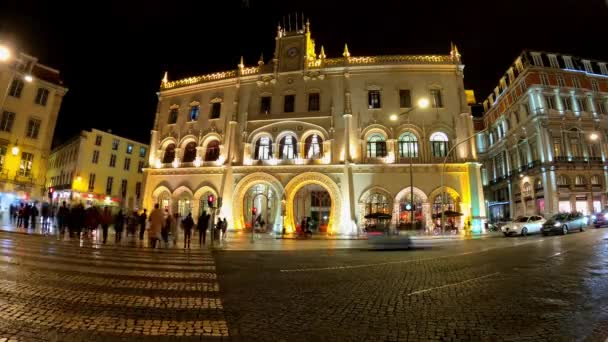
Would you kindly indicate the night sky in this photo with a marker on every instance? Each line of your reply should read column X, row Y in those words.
column 112, row 54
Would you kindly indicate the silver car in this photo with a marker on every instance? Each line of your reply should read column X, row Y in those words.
column 524, row 225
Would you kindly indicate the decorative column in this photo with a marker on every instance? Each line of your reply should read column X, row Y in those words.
column 511, row 201
column 348, row 211
column 227, row 184
column 477, row 205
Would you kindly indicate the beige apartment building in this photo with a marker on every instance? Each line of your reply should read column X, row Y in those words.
column 305, row 137
column 98, row 168
column 30, row 97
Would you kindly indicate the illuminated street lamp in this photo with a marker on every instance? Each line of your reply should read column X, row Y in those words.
column 15, row 150
column 422, row 103
column 28, row 78
column 5, row 53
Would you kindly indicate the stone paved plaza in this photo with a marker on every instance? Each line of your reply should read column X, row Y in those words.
column 496, row 289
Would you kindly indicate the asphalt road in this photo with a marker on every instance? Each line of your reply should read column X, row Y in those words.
column 535, row 288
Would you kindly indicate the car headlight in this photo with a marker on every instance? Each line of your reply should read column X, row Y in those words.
column 593, row 217
column 557, row 224
column 606, row 216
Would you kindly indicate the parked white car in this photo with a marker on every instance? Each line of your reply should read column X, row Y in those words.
column 524, row 225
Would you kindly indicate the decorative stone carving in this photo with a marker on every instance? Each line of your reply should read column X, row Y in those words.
column 266, row 80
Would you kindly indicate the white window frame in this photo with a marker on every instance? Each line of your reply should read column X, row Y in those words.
column 576, row 83
column 553, row 61
column 537, row 60
column 595, row 86
column 561, row 81
column 603, row 69
column 544, row 79
column 568, row 62
column 587, row 66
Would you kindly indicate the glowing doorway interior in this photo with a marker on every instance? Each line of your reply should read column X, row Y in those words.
column 261, row 208
column 312, row 208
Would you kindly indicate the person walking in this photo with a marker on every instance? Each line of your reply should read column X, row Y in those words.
column 132, row 224
column 45, row 218
column 142, row 222
column 187, row 224
column 164, row 233
column 224, row 228
column 173, row 228
column 119, row 223
column 26, row 216
column 202, row 225
column 34, row 214
column 20, row 213
column 156, row 224
column 106, row 220
column 62, row 218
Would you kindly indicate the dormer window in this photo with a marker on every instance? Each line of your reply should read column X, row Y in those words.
column 537, row 60
column 373, row 99
column 194, row 112
column 588, row 67
column 173, row 116
column 553, row 61
column 568, row 62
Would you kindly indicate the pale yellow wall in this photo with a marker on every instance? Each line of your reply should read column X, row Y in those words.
column 83, row 166
column 25, row 108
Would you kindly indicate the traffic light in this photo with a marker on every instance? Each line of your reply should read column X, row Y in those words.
column 254, row 210
column 210, row 200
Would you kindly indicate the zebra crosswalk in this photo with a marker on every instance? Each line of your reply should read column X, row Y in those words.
column 53, row 290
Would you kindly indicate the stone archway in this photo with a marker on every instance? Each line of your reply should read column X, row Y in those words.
column 162, row 194
column 324, row 181
column 365, row 196
column 405, row 194
column 197, row 199
column 241, row 189
column 453, row 195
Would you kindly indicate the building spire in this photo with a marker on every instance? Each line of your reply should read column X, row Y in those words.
column 165, row 78
column 307, row 25
column 454, row 51
column 322, row 54
column 261, row 61
column 346, row 53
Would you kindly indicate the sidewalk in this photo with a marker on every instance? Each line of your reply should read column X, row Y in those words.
column 242, row 241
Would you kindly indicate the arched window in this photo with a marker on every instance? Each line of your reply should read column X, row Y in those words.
column 439, row 144
column 194, row 112
column 595, row 180
column 579, row 180
column 288, row 147
column 376, row 146
column 527, row 189
column 377, row 203
column 562, row 180
column 169, row 154
column 189, row 152
column 173, row 116
column 313, row 147
column 263, row 149
column 408, row 145
column 212, row 152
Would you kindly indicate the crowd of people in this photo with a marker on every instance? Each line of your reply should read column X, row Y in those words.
column 78, row 221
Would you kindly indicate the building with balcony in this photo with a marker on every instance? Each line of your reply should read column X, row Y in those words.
column 308, row 139
column 30, row 97
column 542, row 138
column 98, row 168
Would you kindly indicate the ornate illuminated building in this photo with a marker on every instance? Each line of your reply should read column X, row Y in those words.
column 544, row 144
column 304, row 135
column 30, row 97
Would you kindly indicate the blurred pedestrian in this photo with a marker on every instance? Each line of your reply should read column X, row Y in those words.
column 164, row 232
column 156, row 224
column 142, row 223
column 34, row 214
column 26, row 216
column 106, row 220
column 187, row 224
column 202, row 225
column 62, row 218
column 173, row 228
column 224, row 228
column 45, row 217
column 119, row 223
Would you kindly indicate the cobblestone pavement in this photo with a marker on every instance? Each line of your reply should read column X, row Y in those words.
column 55, row 290
column 504, row 289
column 499, row 289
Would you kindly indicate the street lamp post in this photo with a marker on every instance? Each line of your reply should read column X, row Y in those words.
column 443, row 171
column 422, row 103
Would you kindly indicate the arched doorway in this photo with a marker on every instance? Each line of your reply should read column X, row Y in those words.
column 333, row 220
column 312, row 207
column 260, row 206
column 402, row 215
column 238, row 199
